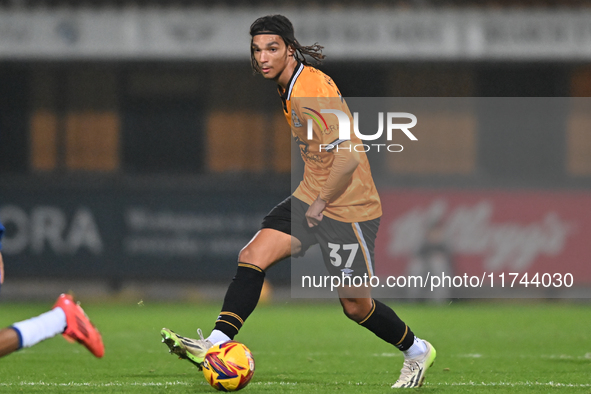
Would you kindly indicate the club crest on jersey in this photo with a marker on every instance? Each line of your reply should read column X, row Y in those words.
column 295, row 120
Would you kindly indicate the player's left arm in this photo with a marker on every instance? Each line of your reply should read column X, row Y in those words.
column 344, row 164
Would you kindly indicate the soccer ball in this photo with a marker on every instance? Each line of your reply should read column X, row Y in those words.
column 228, row 366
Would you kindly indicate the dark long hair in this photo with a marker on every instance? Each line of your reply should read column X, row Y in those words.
column 280, row 25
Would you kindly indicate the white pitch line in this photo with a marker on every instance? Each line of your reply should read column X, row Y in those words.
column 511, row 384
column 586, row 356
column 109, row 384
column 179, row 383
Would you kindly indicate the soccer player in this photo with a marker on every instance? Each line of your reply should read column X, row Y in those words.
column 336, row 206
column 66, row 318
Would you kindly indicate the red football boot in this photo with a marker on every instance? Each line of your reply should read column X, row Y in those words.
column 79, row 328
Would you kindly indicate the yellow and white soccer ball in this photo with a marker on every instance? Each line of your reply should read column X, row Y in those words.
column 228, row 366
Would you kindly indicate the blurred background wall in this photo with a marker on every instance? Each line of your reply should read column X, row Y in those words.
column 136, row 143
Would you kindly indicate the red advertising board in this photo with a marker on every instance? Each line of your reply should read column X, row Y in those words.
column 487, row 231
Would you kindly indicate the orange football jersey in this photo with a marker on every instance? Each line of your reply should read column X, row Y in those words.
column 308, row 92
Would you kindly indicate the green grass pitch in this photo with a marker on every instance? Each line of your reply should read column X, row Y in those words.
column 482, row 347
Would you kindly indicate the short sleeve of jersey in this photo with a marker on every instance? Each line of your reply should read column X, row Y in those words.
column 319, row 106
column 323, row 114
column 1, row 234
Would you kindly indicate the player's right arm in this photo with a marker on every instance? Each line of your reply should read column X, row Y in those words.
column 344, row 163
column 345, row 159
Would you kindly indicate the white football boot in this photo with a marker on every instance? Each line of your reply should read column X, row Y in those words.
column 414, row 369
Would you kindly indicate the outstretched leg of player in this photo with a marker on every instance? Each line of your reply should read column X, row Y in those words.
column 66, row 318
column 29, row 332
column 9, row 341
column 266, row 248
column 380, row 319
